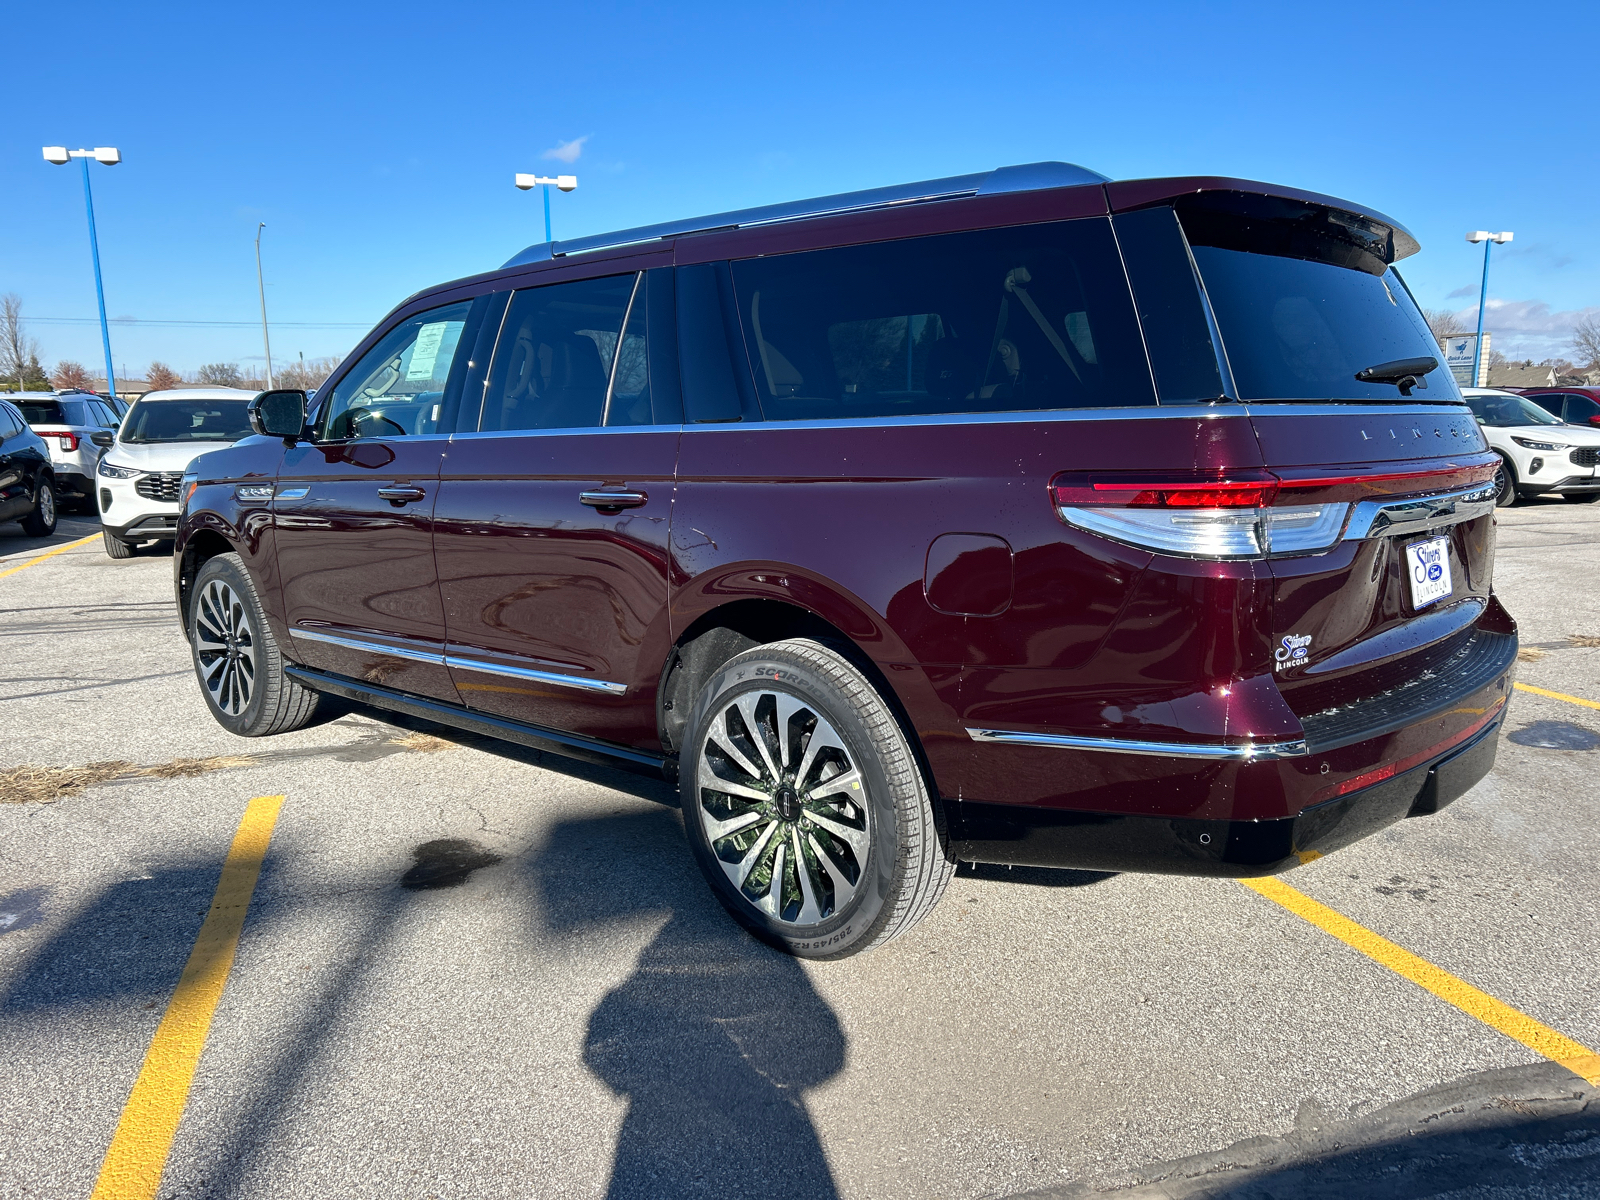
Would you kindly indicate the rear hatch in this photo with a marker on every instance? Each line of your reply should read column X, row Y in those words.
column 1392, row 615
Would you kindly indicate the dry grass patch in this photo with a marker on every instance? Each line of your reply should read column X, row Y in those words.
column 424, row 743
column 1531, row 654
column 1583, row 639
column 29, row 784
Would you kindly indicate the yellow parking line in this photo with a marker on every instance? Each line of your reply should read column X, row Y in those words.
column 138, row 1150
column 1557, row 1047
column 47, row 554
column 1539, row 691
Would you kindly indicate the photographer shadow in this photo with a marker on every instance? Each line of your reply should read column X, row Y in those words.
column 713, row 1039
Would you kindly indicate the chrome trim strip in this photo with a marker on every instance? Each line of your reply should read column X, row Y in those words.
column 1214, row 752
column 1139, row 412
column 469, row 435
column 1385, row 518
column 422, row 656
column 293, row 493
column 1295, row 408
column 573, row 681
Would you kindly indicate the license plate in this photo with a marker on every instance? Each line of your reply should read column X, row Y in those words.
column 1428, row 564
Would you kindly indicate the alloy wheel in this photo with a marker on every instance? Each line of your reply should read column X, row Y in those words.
column 225, row 647
column 47, row 504
column 784, row 807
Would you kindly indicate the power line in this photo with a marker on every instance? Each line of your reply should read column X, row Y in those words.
column 129, row 321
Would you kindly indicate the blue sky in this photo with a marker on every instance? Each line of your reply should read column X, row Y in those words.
column 378, row 143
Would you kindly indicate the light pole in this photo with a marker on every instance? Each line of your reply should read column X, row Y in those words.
column 1488, row 239
column 565, row 182
column 110, row 156
column 266, row 342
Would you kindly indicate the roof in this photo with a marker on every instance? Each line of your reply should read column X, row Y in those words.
column 1027, row 177
column 203, row 393
column 1520, row 375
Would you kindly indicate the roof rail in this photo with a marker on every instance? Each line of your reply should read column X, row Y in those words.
column 1026, row 177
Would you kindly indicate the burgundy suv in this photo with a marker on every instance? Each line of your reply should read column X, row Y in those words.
column 1025, row 517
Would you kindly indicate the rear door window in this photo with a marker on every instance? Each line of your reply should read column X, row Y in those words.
column 557, row 364
column 1028, row 318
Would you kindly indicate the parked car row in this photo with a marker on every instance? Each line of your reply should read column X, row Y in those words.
column 1540, row 453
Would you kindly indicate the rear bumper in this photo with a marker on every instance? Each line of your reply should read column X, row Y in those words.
column 1050, row 837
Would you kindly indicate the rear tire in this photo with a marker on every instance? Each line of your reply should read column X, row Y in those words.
column 826, row 842
column 236, row 658
column 115, row 546
column 1505, row 484
column 41, row 522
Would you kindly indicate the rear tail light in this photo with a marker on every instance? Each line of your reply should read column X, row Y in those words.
column 69, row 441
column 1237, row 518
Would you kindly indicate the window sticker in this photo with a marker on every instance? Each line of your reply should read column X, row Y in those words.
column 425, row 352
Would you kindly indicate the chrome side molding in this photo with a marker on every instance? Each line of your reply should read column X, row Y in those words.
column 462, row 664
column 1212, row 751
column 1385, row 518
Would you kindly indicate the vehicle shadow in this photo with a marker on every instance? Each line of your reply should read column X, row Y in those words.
column 712, row 1040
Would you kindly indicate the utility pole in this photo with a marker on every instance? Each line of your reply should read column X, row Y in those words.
column 266, row 342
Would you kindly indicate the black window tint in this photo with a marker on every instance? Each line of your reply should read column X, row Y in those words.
column 1580, row 409
column 398, row 387
column 1550, row 403
column 628, row 401
column 1028, row 318
column 1171, row 308
column 710, row 383
column 553, row 361
column 9, row 424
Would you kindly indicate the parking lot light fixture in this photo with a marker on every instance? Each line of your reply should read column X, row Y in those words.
column 566, row 183
column 108, row 156
column 1488, row 239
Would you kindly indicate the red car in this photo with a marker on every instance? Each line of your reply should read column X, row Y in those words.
column 1574, row 405
column 1026, row 517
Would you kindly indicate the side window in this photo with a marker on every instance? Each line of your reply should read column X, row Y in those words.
column 398, row 387
column 1027, row 318
column 103, row 412
column 10, row 425
column 1581, row 409
column 556, row 363
column 1548, row 403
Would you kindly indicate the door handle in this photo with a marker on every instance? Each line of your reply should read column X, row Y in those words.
column 401, row 493
column 613, row 499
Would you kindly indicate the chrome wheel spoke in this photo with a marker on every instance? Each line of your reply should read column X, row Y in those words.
column 224, row 647
column 782, row 804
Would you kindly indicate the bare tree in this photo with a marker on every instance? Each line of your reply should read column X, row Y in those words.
column 69, row 374
column 1586, row 340
column 221, row 375
column 16, row 347
column 307, row 373
column 161, row 377
column 1444, row 323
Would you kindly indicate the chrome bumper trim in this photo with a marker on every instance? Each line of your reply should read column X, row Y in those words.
column 1385, row 518
column 1214, row 752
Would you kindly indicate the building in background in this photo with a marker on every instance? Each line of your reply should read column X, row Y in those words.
column 1459, row 351
column 1522, row 375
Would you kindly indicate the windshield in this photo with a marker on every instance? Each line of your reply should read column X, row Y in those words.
column 1504, row 412
column 1305, row 300
column 186, row 421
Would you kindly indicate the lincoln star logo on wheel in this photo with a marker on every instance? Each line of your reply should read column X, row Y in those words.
column 1292, row 651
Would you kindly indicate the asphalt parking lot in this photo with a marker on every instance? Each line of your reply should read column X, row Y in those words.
column 471, row 970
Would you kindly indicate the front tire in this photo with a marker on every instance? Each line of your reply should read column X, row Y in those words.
column 236, row 658
column 805, row 806
column 115, row 546
column 1505, row 484
column 41, row 522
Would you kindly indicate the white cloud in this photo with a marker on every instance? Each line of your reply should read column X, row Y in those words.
column 568, row 152
column 1527, row 328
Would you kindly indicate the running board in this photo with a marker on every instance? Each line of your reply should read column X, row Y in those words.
column 535, row 737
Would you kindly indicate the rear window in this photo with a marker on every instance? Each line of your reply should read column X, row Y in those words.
column 1027, row 318
column 1304, row 299
column 55, row 412
column 196, row 420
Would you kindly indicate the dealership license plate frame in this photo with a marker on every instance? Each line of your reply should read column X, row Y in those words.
column 1421, row 557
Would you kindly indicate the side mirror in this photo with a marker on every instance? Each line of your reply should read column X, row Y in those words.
column 103, row 438
column 279, row 414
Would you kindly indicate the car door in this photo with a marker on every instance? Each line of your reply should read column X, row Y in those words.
column 552, row 522
column 353, row 509
column 15, row 496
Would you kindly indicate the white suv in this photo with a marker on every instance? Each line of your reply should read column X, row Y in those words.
column 68, row 422
column 140, row 474
column 1541, row 453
